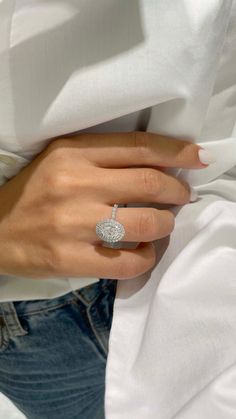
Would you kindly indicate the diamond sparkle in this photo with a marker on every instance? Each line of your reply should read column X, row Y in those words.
column 110, row 230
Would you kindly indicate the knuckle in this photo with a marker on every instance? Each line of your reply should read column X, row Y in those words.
column 53, row 259
column 58, row 221
column 141, row 143
column 138, row 267
column 134, row 269
column 113, row 270
column 121, row 270
column 58, row 182
column 58, row 152
column 50, row 179
column 185, row 150
column 170, row 220
column 127, row 270
column 152, row 258
column 152, row 182
column 148, row 224
column 135, row 266
column 184, row 193
column 57, row 145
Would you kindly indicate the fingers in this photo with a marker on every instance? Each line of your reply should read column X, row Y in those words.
column 141, row 224
column 136, row 148
column 141, row 185
column 101, row 262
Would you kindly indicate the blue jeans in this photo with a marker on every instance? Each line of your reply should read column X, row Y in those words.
column 53, row 353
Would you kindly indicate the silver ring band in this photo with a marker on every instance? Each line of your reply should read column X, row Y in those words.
column 110, row 231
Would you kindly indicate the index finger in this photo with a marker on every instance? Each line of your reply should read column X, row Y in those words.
column 138, row 148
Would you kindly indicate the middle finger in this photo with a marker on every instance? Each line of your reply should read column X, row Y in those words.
column 141, row 185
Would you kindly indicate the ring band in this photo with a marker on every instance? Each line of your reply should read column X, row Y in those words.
column 110, row 231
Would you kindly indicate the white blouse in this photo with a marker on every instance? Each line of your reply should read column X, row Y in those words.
column 167, row 67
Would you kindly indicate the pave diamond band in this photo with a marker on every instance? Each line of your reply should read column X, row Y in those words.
column 110, row 230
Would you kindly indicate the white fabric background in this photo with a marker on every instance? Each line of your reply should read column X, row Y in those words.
column 173, row 339
column 8, row 410
column 167, row 67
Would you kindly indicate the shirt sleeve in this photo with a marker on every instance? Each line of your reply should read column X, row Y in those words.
column 10, row 165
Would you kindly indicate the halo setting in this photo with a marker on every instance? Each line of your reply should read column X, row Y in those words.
column 110, row 230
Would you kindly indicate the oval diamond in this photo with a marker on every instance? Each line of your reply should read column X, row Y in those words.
column 110, row 230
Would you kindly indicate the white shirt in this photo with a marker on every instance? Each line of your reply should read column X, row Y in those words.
column 46, row 90
column 79, row 65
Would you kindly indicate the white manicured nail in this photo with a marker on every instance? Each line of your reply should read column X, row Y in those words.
column 206, row 156
column 193, row 194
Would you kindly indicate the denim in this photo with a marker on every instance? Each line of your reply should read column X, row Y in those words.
column 53, row 353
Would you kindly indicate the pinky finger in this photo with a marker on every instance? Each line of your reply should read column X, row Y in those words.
column 101, row 262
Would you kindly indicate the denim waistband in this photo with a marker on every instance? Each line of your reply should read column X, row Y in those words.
column 87, row 294
column 12, row 313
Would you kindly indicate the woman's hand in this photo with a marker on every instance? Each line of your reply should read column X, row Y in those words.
column 49, row 210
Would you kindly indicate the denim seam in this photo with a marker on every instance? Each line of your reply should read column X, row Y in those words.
column 4, row 339
column 79, row 295
column 85, row 301
column 103, row 324
column 11, row 320
column 31, row 313
column 93, row 335
column 96, row 333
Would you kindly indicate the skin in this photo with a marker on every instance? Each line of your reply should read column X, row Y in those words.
column 49, row 210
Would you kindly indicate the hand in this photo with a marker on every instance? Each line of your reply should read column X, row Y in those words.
column 49, row 210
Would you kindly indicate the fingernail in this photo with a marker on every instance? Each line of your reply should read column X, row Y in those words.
column 206, row 156
column 193, row 194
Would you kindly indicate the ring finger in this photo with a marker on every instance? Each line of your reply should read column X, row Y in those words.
column 141, row 224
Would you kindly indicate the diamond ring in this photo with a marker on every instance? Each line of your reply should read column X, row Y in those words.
column 110, row 230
